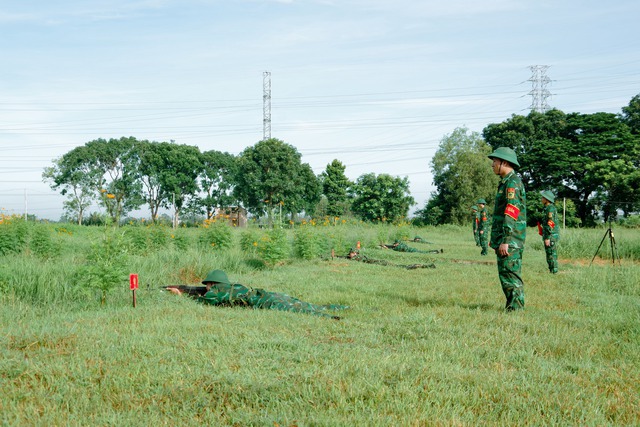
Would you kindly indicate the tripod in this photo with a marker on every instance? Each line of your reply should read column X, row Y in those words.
column 612, row 243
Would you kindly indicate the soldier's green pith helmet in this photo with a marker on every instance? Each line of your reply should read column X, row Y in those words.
column 474, row 208
column 217, row 276
column 505, row 153
column 483, row 201
column 548, row 195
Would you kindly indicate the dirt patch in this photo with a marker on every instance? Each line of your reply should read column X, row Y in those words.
column 597, row 261
column 470, row 261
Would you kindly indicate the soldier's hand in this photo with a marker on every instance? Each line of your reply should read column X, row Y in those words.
column 175, row 291
column 503, row 249
column 547, row 242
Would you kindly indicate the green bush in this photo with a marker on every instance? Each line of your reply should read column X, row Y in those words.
column 137, row 239
column 307, row 243
column 158, row 236
column 181, row 240
column 42, row 245
column 105, row 266
column 13, row 236
column 632, row 221
column 336, row 240
column 273, row 246
column 216, row 236
column 249, row 239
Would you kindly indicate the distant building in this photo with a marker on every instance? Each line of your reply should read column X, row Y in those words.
column 235, row 215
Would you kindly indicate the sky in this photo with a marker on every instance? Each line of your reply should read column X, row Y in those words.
column 376, row 84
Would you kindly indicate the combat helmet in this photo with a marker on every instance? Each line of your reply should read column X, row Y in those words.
column 481, row 201
column 548, row 195
column 505, row 153
column 217, row 276
column 474, row 208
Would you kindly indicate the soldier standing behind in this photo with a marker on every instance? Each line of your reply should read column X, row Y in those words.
column 483, row 225
column 549, row 230
column 509, row 226
column 474, row 218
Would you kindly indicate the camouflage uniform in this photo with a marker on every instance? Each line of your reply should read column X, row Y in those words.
column 475, row 220
column 357, row 256
column 550, row 231
column 483, row 226
column 403, row 247
column 226, row 294
column 419, row 239
column 509, row 226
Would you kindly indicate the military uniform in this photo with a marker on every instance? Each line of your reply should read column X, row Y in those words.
column 223, row 293
column 357, row 256
column 474, row 224
column 419, row 239
column 509, row 226
column 483, row 226
column 550, row 231
column 403, row 247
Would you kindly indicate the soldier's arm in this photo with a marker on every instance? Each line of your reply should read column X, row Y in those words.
column 515, row 204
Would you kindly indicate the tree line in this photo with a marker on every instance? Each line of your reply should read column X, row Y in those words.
column 590, row 160
column 268, row 178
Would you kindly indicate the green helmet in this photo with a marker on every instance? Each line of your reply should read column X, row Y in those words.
column 217, row 276
column 548, row 195
column 505, row 153
column 483, row 201
column 474, row 208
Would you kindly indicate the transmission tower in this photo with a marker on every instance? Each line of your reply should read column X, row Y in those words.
column 266, row 105
column 539, row 92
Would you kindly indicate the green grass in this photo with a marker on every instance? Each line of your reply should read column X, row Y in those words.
column 417, row 347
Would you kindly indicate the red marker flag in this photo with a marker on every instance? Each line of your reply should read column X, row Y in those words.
column 133, row 281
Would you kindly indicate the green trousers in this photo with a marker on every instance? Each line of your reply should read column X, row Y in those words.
column 552, row 256
column 510, row 275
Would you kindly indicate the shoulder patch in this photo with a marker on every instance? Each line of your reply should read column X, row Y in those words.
column 511, row 193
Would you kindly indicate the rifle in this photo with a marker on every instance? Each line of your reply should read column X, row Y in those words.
column 193, row 291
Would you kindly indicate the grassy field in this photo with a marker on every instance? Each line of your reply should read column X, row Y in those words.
column 417, row 347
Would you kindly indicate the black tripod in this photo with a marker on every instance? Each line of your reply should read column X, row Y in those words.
column 612, row 243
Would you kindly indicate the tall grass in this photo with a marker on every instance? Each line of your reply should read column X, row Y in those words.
column 417, row 347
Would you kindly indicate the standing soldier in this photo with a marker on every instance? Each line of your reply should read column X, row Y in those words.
column 474, row 218
column 549, row 230
column 509, row 226
column 483, row 225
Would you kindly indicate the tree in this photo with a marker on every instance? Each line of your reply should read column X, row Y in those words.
column 168, row 173
column 381, row 198
column 631, row 115
column 179, row 176
column 117, row 162
column 307, row 199
column 270, row 178
column 216, row 180
column 335, row 187
column 573, row 154
column 461, row 174
column 150, row 168
column 74, row 178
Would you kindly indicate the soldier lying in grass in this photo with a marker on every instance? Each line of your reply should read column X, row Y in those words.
column 403, row 247
column 220, row 291
column 356, row 256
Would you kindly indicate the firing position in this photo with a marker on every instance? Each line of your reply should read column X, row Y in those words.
column 221, row 292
